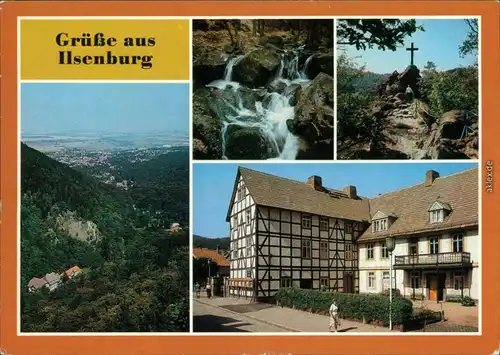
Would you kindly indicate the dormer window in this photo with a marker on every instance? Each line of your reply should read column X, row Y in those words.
column 381, row 221
column 438, row 212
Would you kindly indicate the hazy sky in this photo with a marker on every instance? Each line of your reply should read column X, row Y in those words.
column 213, row 184
column 439, row 44
column 104, row 108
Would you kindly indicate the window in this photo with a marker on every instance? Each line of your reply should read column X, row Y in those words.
column 324, row 282
column 385, row 252
column 415, row 280
column 323, row 250
column 458, row 280
column 458, row 243
column 379, row 225
column 436, row 216
column 413, row 247
column 385, row 280
column 306, row 221
column 235, row 222
column 371, row 280
column 248, row 216
column 306, row 249
column 434, row 245
column 285, row 282
column 369, row 251
column 249, row 245
column 323, row 223
column 240, row 193
column 348, row 228
column 249, row 273
column 348, row 252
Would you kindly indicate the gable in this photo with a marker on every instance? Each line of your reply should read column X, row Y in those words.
column 233, row 195
column 379, row 215
column 437, row 205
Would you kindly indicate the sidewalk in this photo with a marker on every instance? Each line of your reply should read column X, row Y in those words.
column 291, row 319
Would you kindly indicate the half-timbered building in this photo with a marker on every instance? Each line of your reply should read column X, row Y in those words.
column 302, row 234
column 285, row 232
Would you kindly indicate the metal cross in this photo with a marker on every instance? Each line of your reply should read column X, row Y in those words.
column 412, row 50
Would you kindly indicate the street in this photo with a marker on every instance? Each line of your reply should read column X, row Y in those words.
column 208, row 318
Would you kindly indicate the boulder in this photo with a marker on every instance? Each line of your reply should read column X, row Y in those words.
column 313, row 120
column 410, row 77
column 321, row 63
column 246, row 143
column 258, row 68
column 207, row 133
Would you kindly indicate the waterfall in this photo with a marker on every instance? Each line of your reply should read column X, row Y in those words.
column 268, row 115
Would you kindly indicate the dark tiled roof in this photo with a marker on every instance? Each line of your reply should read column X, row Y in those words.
column 409, row 205
column 458, row 191
column 274, row 191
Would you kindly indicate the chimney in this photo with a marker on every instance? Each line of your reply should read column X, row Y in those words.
column 430, row 176
column 351, row 191
column 315, row 182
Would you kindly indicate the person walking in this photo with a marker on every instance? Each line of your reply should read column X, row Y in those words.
column 209, row 290
column 334, row 316
column 197, row 289
column 409, row 93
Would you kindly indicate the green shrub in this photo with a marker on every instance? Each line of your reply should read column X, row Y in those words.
column 372, row 308
column 468, row 302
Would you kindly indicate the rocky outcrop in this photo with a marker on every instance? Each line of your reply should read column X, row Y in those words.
column 313, row 121
column 405, row 129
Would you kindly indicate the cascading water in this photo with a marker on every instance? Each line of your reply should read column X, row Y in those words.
column 268, row 114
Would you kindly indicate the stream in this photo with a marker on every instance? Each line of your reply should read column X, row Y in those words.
column 269, row 112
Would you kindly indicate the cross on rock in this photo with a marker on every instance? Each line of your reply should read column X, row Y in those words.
column 412, row 50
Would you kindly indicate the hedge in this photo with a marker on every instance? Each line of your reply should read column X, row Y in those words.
column 371, row 308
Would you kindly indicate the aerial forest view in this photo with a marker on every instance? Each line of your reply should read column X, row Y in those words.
column 407, row 89
column 104, row 216
column 263, row 89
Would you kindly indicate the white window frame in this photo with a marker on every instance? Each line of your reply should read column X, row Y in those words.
column 433, row 246
column 306, row 221
column 457, row 240
column 384, row 278
column 322, row 282
column 306, row 249
column 415, row 275
column 323, row 223
column 285, row 280
column 436, row 216
column 369, row 252
column 348, row 251
column 384, row 253
column 371, row 279
column 324, row 250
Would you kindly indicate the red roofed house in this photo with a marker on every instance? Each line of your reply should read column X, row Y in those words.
column 217, row 258
column 72, row 272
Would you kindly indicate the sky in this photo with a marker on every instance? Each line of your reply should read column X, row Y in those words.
column 439, row 44
column 104, row 108
column 213, row 184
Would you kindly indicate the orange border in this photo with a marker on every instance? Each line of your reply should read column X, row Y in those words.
column 192, row 344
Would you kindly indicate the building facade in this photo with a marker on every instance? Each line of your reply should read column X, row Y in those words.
column 286, row 233
column 437, row 243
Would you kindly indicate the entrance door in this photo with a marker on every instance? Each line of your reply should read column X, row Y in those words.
column 348, row 283
column 433, row 287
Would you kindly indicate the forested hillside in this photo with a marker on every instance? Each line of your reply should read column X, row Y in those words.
column 210, row 243
column 133, row 279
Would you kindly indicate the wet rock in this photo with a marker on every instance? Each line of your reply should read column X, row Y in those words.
column 277, row 86
column 257, row 68
column 207, row 133
column 246, row 143
column 321, row 63
column 313, row 120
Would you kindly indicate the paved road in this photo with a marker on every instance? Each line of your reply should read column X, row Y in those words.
column 207, row 318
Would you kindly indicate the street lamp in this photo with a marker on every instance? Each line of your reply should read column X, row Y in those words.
column 390, row 244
